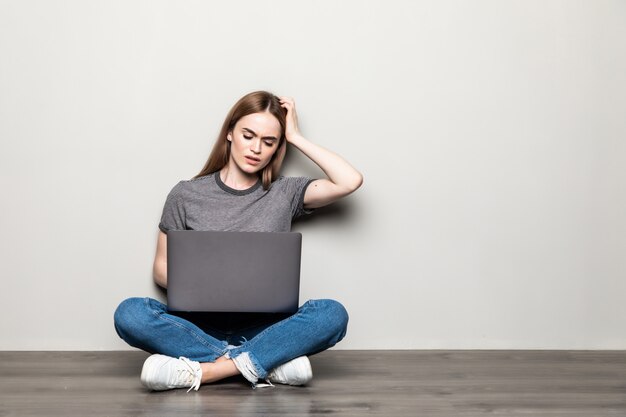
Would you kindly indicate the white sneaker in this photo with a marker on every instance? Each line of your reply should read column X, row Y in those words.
column 295, row 372
column 162, row 372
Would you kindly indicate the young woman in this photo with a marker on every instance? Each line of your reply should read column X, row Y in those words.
column 240, row 189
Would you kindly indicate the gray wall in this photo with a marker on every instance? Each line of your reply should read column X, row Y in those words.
column 491, row 136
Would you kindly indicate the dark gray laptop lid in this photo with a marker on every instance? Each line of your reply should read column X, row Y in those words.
column 233, row 271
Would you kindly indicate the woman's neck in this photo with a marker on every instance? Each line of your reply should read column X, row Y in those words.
column 236, row 178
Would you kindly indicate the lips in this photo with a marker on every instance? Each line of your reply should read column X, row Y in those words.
column 252, row 160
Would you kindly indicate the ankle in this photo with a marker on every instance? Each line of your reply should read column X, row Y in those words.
column 207, row 372
column 220, row 369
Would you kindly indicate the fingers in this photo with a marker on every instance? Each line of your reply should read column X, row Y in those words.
column 286, row 101
column 292, row 119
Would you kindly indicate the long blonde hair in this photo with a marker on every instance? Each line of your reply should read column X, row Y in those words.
column 255, row 102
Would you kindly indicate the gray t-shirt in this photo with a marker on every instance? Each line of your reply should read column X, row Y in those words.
column 206, row 203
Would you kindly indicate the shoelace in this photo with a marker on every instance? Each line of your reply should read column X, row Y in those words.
column 193, row 374
column 261, row 385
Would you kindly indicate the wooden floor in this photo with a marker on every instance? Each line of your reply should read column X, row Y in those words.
column 345, row 383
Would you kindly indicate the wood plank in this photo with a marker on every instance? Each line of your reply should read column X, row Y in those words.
column 345, row 383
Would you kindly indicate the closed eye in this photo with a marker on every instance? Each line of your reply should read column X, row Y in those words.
column 268, row 139
column 267, row 142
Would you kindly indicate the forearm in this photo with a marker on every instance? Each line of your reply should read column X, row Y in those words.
column 338, row 170
column 159, row 274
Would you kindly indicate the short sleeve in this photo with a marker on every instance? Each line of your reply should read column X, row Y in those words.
column 173, row 216
column 297, row 188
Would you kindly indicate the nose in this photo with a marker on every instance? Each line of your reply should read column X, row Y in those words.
column 256, row 145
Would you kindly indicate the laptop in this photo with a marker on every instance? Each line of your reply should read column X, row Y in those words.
column 216, row 271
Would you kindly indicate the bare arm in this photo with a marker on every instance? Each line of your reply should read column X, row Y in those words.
column 343, row 178
column 159, row 269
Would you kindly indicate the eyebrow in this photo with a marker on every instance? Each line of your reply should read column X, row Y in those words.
column 264, row 137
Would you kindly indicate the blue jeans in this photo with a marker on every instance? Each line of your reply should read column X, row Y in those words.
column 264, row 341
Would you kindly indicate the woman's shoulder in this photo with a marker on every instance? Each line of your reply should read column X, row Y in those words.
column 282, row 181
column 291, row 183
column 291, row 178
column 191, row 184
column 198, row 180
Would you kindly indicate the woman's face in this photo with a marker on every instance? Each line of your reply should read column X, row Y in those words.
column 254, row 139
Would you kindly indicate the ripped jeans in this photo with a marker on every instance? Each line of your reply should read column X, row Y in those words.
column 256, row 348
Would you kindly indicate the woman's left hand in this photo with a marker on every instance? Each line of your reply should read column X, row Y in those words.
column 291, row 129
